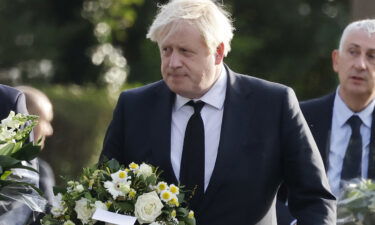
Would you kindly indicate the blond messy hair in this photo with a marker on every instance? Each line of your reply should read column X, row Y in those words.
column 213, row 22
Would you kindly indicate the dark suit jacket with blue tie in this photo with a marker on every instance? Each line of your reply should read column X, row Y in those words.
column 318, row 113
column 264, row 141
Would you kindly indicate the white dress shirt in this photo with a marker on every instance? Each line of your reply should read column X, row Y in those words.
column 340, row 136
column 212, row 115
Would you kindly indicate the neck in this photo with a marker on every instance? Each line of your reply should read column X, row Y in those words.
column 356, row 103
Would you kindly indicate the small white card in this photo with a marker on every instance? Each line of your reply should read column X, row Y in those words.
column 113, row 218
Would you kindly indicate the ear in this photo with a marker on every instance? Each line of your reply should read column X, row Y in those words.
column 219, row 55
column 335, row 60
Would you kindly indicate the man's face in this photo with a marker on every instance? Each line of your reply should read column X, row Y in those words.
column 187, row 66
column 355, row 65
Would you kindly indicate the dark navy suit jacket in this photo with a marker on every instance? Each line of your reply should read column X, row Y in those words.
column 264, row 141
column 318, row 114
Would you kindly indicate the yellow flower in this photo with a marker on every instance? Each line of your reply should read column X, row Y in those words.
column 108, row 204
column 174, row 189
column 162, row 186
column 122, row 174
column 191, row 214
column 173, row 213
column 174, row 201
column 133, row 166
column 132, row 193
column 166, row 195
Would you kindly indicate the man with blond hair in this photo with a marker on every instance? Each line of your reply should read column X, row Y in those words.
column 230, row 138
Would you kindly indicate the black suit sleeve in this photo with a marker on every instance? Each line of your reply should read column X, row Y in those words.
column 114, row 138
column 310, row 200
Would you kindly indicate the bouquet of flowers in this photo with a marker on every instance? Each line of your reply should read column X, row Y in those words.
column 135, row 191
column 356, row 206
column 17, row 177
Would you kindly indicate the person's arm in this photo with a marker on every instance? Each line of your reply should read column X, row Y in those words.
column 309, row 198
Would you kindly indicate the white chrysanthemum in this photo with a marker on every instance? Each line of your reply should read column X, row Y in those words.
column 166, row 195
column 120, row 176
column 84, row 212
column 69, row 222
column 161, row 186
column 117, row 189
column 144, row 170
column 111, row 188
column 57, row 205
column 174, row 189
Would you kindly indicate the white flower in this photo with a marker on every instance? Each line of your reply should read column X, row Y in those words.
column 69, row 222
column 79, row 188
column 166, row 195
column 148, row 207
column 100, row 205
column 117, row 189
column 161, row 186
column 84, row 212
column 120, row 176
column 57, row 205
column 144, row 170
column 155, row 223
column 10, row 122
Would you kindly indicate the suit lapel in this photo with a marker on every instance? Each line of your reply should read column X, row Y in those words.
column 161, row 131
column 237, row 111
column 371, row 162
column 321, row 125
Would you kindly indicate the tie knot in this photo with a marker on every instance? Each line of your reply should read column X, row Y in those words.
column 196, row 105
column 355, row 123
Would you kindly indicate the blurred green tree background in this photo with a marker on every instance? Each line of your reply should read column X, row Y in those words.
column 81, row 52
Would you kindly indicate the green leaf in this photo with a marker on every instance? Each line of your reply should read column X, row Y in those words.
column 182, row 212
column 7, row 149
column 5, row 174
column 113, row 164
column 27, row 152
column 125, row 206
column 57, row 190
column 7, row 161
column 190, row 221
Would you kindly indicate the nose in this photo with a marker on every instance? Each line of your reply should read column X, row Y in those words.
column 360, row 62
column 175, row 60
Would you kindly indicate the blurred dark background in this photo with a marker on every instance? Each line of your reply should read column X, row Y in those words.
column 82, row 53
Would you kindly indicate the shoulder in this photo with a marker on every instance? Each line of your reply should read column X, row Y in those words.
column 316, row 104
column 259, row 87
column 11, row 99
column 9, row 94
column 143, row 93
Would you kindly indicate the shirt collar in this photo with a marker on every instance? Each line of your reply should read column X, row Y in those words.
column 342, row 112
column 214, row 97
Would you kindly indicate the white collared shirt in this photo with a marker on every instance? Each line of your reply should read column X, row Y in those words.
column 340, row 136
column 212, row 115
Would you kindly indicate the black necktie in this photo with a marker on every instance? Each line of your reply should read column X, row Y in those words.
column 353, row 156
column 192, row 161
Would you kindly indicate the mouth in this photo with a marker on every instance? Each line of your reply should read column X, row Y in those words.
column 357, row 78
